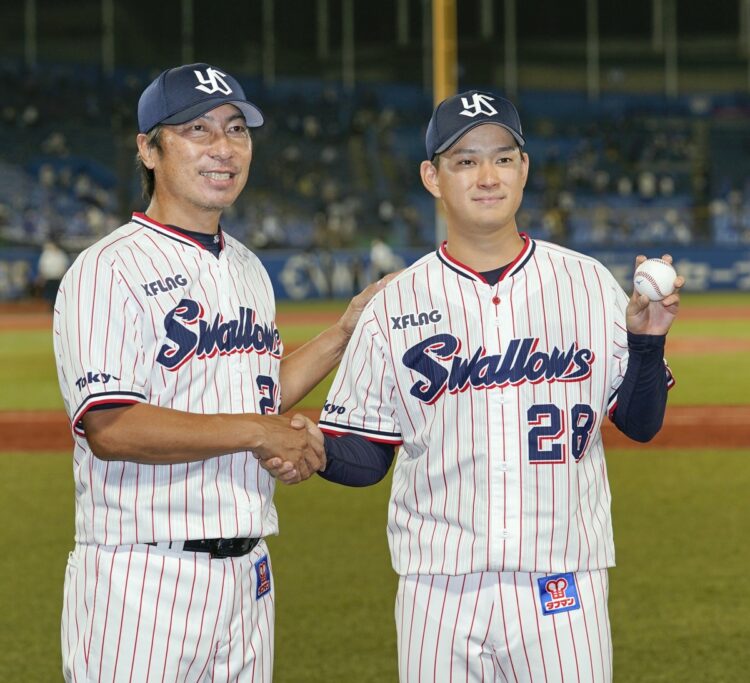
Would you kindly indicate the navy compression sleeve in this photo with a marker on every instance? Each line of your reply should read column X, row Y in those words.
column 353, row 460
column 642, row 396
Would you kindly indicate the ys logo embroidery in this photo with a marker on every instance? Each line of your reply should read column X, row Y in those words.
column 558, row 593
column 480, row 104
column 212, row 82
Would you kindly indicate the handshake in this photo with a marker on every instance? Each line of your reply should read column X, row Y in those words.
column 290, row 449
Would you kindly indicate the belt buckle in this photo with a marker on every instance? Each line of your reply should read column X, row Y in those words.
column 222, row 547
column 230, row 547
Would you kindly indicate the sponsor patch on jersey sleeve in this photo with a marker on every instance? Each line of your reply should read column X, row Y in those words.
column 558, row 593
column 263, row 577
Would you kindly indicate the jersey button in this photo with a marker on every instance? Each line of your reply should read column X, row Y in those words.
column 504, row 465
column 505, row 533
column 496, row 300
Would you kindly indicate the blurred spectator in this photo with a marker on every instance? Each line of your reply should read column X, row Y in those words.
column 382, row 259
column 53, row 262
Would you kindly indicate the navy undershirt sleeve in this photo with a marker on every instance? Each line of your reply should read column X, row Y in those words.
column 353, row 460
column 642, row 396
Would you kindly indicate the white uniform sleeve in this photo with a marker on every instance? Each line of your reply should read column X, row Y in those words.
column 361, row 398
column 97, row 342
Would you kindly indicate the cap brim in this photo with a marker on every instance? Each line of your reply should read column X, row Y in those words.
column 473, row 124
column 252, row 114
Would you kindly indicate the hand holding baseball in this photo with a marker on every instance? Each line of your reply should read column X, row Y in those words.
column 656, row 296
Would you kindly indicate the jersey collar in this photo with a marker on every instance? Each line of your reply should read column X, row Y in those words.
column 516, row 265
column 171, row 233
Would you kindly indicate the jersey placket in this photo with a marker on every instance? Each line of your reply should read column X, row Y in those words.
column 503, row 529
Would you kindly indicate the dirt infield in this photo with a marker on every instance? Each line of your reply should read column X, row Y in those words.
column 684, row 427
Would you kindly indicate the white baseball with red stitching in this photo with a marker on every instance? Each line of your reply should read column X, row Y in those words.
column 655, row 278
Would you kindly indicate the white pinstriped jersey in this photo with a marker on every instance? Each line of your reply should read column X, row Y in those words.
column 496, row 395
column 149, row 315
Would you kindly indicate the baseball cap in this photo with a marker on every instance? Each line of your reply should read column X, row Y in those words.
column 185, row 92
column 457, row 115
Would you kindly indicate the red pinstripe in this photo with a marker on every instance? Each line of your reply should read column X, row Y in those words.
column 519, row 448
column 471, row 625
column 231, row 618
column 445, row 481
column 171, row 620
column 122, row 616
column 203, row 497
column 473, row 450
column 242, row 615
column 575, row 649
column 424, row 625
column 572, row 461
column 581, row 522
column 484, row 644
column 504, row 621
column 213, row 639
column 390, row 348
column 187, row 619
column 586, row 469
column 140, row 613
column 429, row 454
column 538, row 631
column 458, row 612
column 437, row 641
column 488, row 447
column 153, row 495
column 411, row 627
column 75, row 613
column 400, row 492
column 605, row 327
column 421, row 408
column 267, row 642
column 87, row 651
column 551, row 470
column 520, row 411
column 603, row 580
column 557, row 646
column 520, row 622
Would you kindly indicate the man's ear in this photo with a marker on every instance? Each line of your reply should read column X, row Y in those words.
column 145, row 151
column 429, row 174
column 525, row 161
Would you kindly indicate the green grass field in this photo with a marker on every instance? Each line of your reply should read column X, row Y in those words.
column 675, row 597
column 678, row 599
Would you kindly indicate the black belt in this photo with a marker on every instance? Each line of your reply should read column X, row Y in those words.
column 217, row 547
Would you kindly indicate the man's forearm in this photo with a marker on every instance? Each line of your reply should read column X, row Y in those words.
column 303, row 369
column 151, row 434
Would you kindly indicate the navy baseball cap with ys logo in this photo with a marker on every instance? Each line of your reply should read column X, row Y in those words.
column 186, row 92
column 457, row 115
